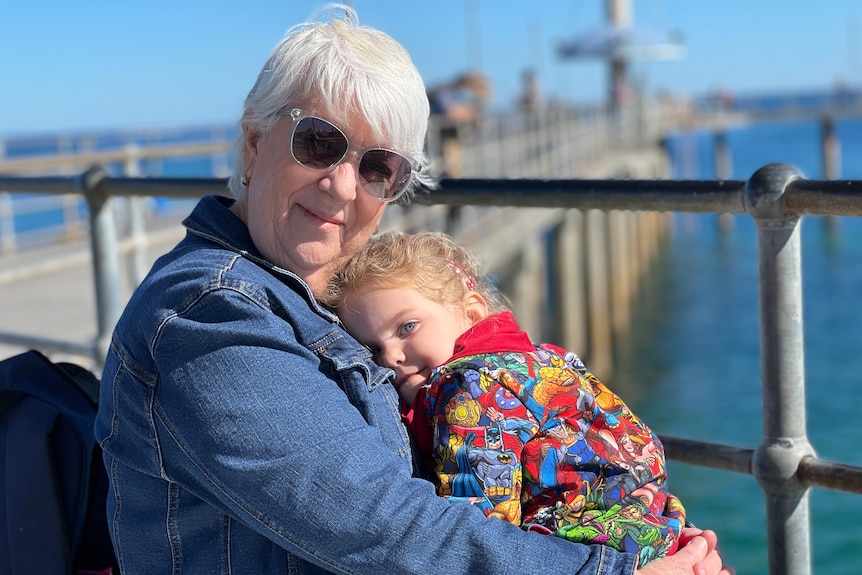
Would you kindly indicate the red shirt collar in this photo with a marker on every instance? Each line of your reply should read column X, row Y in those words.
column 495, row 334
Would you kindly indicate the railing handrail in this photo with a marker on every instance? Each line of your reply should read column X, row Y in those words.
column 801, row 196
column 48, row 162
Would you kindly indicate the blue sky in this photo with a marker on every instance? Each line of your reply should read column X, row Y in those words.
column 100, row 64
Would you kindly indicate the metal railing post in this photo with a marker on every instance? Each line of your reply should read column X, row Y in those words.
column 137, row 232
column 106, row 275
column 785, row 443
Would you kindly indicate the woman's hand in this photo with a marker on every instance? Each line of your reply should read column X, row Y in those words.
column 697, row 555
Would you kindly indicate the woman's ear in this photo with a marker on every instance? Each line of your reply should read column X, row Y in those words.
column 476, row 307
column 251, row 138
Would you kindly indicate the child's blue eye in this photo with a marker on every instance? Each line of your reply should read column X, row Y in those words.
column 408, row 327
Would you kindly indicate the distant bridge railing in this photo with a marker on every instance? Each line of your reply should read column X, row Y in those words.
column 558, row 142
column 776, row 196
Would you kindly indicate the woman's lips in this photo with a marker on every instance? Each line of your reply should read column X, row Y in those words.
column 326, row 221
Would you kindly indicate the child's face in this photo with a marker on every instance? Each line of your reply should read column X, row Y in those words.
column 408, row 332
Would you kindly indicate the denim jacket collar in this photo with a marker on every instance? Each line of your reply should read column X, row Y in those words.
column 213, row 220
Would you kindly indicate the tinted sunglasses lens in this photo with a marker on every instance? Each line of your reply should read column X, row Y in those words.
column 318, row 144
column 384, row 174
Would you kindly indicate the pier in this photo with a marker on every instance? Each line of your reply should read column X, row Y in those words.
column 556, row 144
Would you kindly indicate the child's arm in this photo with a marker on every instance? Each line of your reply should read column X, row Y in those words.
column 477, row 448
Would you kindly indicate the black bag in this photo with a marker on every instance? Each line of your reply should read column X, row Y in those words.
column 53, row 485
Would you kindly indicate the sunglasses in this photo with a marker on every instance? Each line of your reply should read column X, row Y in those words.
column 319, row 145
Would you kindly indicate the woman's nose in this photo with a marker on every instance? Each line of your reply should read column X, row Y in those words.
column 344, row 178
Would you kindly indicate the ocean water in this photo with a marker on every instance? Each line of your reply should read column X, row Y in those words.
column 691, row 366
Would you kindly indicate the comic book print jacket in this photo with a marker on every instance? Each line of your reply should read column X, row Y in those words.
column 532, row 437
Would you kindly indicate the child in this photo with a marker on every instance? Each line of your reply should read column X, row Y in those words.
column 523, row 431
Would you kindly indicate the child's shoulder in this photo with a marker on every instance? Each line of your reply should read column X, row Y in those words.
column 570, row 357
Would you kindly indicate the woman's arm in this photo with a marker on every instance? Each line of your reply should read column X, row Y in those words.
column 290, row 444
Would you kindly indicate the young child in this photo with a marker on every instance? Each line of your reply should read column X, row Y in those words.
column 524, row 431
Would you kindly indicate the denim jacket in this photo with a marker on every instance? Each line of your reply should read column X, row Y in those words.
column 245, row 432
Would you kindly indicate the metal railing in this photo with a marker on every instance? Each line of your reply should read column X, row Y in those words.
column 565, row 143
column 776, row 196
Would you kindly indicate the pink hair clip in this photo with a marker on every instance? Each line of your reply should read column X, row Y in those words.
column 468, row 279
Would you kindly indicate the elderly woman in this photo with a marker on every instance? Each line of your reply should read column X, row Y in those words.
column 243, row 430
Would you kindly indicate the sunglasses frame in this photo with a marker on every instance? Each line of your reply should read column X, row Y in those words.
column 297, row 115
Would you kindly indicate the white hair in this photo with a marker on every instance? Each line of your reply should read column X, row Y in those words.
column 347, row 69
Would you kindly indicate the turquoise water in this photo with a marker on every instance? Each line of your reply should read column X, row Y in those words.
column 691, row 367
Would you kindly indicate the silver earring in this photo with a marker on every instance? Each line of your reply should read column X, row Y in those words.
column 244, row 181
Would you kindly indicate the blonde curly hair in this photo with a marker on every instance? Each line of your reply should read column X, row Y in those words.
column 431, row 263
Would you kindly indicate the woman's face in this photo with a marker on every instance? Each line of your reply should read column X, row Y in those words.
column 303, row 220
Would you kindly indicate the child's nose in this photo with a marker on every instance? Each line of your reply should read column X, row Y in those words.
column 392, row 356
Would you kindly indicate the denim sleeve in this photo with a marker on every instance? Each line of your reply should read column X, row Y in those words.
column 248, row 420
